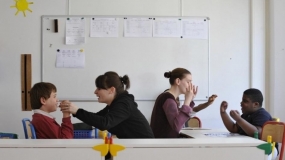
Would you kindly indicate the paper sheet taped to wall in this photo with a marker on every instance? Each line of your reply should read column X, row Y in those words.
column 166, row 27
column 195, row 28
column 70, row 58
column 75, row 30
column 138, row 27
column 104, row 27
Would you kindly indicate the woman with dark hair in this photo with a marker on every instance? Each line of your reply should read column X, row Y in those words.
column 121, row 116
column 167, row 118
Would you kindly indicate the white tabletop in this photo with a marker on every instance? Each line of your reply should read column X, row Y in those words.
column 213, row 137
column 185, row 142
column 131, row 143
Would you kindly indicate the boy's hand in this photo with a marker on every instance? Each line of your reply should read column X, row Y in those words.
column 235, row 115
column 212, row 99
column 63, row 104
column 224, row 106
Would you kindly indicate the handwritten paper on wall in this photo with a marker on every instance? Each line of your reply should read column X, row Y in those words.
column 138, row 27
column 75, row 30
column 195, row 28
column 70, row 58
column 104, row 27
column 166, row 27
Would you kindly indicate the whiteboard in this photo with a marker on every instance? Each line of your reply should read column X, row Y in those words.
column 143, row 59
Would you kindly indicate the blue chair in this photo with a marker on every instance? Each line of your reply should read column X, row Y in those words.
column 100, row 134
column 28, row 129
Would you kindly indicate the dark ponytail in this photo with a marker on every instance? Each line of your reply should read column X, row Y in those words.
column 176, row 73
column 112, row 79
column 126, row 81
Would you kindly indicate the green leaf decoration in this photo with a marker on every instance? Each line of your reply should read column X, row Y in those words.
column 266, row 147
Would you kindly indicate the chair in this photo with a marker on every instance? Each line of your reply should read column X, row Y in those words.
column 28, row 129
column 194, row 122
column 100, row 134
column 276, row 119
column 277, row 131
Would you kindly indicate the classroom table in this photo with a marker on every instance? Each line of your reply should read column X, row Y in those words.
column 199, row 147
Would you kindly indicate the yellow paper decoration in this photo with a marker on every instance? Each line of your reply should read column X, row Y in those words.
column 22, row 5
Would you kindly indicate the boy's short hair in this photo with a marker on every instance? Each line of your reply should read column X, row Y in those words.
column 254, row 95
column 39, row 90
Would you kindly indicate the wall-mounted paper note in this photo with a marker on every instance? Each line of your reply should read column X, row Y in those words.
column 104, row 27
column 166, row 27
column 75, row 30
column 138, row 27
column 70, row 58
column 195, row 28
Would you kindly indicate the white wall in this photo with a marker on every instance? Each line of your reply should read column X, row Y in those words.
column 276, row 56
column 20, row 35
column 237, row 49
